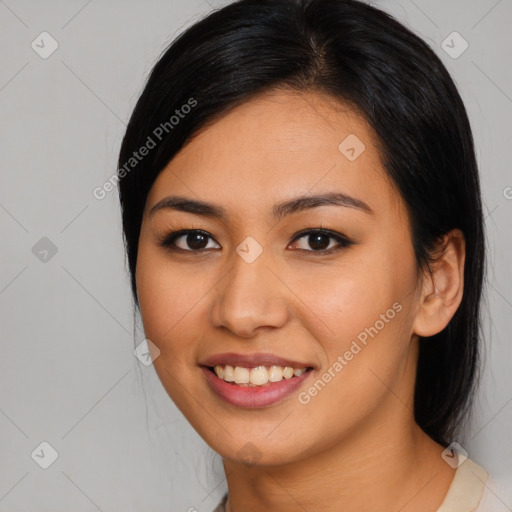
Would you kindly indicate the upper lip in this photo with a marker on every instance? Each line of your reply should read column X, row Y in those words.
column 252, row 360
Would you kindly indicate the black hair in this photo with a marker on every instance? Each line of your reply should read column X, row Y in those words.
column 365, row 58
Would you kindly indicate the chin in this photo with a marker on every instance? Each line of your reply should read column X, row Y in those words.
column 256, row 449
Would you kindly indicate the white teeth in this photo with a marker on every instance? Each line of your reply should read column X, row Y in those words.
column 258, row 376
column 229, row 375
column 288, row 372
column 275, row 374
column 219, row 371
column 241, row 375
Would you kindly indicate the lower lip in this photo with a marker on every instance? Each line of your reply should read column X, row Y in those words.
column 253, row 396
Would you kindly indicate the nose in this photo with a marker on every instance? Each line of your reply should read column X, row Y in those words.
column 249, row 298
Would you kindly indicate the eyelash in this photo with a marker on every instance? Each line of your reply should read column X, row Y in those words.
column 168, row 240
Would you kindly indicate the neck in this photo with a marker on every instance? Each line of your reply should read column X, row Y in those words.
column 406, row 472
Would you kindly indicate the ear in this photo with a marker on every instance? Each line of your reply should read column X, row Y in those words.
column 442, row 288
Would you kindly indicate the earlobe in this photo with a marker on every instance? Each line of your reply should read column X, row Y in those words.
column 443, row 286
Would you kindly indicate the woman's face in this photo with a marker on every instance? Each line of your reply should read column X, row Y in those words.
column 255, row 283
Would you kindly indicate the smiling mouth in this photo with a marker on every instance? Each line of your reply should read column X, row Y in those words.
column 258, row 376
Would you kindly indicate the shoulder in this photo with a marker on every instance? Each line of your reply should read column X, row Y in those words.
column 466, row 490
column 494, row 497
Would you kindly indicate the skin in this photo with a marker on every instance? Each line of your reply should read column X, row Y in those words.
column 358, row 446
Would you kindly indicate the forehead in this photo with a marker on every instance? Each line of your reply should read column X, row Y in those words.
column 279, row 145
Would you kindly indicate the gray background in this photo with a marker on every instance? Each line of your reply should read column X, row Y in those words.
column 68, row 374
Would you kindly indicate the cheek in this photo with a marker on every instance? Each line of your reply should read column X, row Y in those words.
column 167, row 299
column 365, row 307
column 350, row 297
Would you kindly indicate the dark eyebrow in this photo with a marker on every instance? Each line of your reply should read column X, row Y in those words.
column 203, row 208
column 306, row 202
column 184, row 204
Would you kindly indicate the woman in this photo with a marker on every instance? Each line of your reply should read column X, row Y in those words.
column 303, row 223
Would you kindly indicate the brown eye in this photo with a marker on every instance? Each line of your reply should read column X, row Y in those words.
column 189, row 240
column 321, row 240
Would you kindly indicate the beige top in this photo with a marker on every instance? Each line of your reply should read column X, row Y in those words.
column 463, row 495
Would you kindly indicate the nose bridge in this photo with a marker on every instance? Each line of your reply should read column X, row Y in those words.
column 250, row 296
